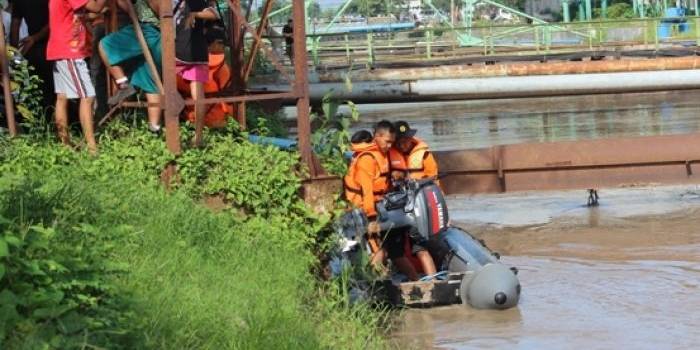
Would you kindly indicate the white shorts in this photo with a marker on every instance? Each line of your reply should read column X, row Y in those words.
column 72, row 78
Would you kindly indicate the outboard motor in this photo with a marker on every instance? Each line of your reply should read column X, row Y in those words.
column 419, row 206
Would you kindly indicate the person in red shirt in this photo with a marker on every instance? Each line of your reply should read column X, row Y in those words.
column 68, row 46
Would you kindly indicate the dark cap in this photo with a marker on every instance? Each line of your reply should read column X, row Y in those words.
column 361, row 136
column 403, row 130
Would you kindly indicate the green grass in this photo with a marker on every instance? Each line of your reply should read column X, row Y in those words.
column 188, row 278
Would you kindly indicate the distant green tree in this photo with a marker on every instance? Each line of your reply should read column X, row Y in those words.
column 368, row 8
column 444, row 5
column 620, row 10
column 315, row 10
column 329, row 13
column 276, row 5
column 395, row 7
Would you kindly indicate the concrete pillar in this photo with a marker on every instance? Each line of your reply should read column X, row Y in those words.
column 565, row 11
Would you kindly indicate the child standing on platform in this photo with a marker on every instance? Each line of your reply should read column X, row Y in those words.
column 191, row 51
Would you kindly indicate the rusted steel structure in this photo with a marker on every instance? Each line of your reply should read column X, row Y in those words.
column 238, row 94
column 573, row 165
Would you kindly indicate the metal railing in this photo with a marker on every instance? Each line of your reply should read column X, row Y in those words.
column 338, row 49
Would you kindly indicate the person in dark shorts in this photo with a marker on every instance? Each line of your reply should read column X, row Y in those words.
column 35, row 13
column 288, row 33
column 191, row 51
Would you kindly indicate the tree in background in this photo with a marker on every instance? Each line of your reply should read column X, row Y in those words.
column 276, row 5
column 444, row 5
column 366, row 8
column 315, row 10
column 372, row 8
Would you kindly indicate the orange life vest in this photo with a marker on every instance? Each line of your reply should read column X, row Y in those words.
column 380, row 183
column 412, row 163
column 219, row 79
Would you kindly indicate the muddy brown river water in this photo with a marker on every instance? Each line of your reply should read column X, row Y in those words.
column 625, row 275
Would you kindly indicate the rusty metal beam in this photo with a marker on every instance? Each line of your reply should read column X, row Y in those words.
column 172, row 99
column 237, row 59
column 301, row 88
column 6, row 87
column 571, row 165
column 269, row 52
column 257, row 39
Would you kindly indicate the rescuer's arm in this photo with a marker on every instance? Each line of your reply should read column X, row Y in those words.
column 366, row 172
column 430, row 167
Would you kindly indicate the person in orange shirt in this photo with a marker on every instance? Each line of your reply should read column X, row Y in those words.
column 411, row 158
column 366, row 183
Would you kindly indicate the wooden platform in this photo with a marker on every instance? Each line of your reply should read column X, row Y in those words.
column 425, row 294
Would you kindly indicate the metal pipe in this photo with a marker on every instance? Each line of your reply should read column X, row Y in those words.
column 515, row 69
column 507, row 87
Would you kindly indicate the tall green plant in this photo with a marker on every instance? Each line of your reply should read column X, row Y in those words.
column 331, row 139
column 26, row 92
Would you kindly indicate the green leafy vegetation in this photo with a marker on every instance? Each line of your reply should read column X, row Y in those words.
column 94, row 253
column 25, row 89
column 331, row 139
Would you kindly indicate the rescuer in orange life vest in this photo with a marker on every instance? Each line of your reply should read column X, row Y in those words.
column 366, row 183
column 410, row 157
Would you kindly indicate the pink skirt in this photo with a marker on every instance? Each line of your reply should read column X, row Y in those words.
column 192, row 72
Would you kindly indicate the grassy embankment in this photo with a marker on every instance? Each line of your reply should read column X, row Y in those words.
column 95, row 254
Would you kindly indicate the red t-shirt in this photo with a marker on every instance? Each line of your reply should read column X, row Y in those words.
column 69, row 37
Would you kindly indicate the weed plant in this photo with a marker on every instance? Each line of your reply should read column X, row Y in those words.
column 94, row 253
